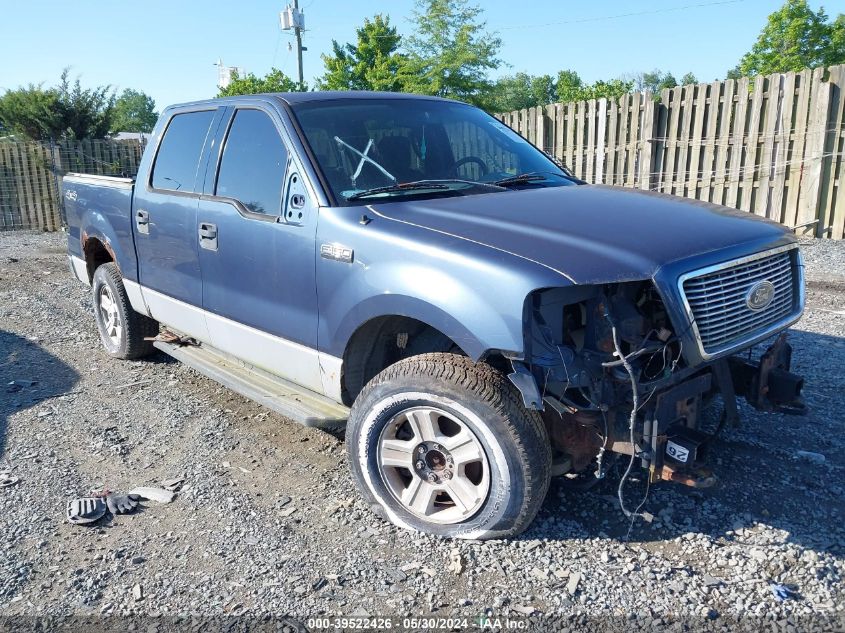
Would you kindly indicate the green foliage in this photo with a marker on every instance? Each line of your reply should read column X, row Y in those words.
column 515, row 92
column 612, row 89
column 795, row 37
column 374, row 63
column 134, row 111
column 688, row 79
column 274, row 81
column 655, row 81
column 450, row 52
column 65, row 111
column 570, row 87
column 30, row 112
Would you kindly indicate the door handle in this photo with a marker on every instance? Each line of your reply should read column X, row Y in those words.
column 208, row 236
column 142, row 221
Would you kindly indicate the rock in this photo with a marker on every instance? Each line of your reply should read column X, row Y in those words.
column 809, row 456
column 138, row 593
column 712, row 581
column 540, row 574
column 572, row 584
column 456, row 562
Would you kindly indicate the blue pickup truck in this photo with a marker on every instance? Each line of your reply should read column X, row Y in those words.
column 479, row 319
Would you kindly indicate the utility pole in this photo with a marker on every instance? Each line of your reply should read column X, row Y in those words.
column 293, row 18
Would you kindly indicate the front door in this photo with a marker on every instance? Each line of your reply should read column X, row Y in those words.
column 165, row 217
column 256, row 227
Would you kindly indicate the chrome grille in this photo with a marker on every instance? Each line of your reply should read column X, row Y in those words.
column 717, row 299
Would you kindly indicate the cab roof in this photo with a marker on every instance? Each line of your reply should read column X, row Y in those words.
column 293, row 98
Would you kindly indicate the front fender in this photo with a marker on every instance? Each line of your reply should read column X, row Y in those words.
column 471, row 293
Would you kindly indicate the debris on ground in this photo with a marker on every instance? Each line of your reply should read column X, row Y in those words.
column 174, row 484
column 810, row 456
column 16, row 385
column 122, row 504
column 782, row 592
column 7, row 480
column 456, row 561
column 154, row 494
column 85, row 510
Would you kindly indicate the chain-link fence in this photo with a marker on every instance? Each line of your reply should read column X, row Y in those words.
column 31, row 174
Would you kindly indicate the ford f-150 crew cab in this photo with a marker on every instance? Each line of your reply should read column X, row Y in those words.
column 480, row 319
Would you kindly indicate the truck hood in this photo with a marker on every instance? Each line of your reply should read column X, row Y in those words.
column 591, row 233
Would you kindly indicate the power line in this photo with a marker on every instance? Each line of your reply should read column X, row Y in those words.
column 621, row 15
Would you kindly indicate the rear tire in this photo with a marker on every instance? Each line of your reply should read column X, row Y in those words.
column 443, row 445
column 122, row 330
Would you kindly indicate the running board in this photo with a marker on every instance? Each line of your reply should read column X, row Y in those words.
column 282, row 396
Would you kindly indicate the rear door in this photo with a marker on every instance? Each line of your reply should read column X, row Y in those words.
column 165, row 218
column 257, row 226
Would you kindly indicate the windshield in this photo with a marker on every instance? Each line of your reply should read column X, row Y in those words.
column 371, row 149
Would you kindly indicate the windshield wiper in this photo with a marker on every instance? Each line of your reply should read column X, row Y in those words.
column 399, row 187
column 436, row 185
column 526, row 178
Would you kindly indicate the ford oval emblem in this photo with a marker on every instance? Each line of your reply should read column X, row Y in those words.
column 760, row 295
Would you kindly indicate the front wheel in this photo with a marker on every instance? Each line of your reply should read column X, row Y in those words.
column 440, row 444
column 122, row 330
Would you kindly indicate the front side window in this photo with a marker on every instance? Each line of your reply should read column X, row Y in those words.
column 178, row 157
column 391, row 149
column 252, row 169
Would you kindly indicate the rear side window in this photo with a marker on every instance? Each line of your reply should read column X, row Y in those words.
column 178, row 156
column 252, row 169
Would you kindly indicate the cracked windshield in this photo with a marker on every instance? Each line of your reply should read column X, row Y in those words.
column 384, row 149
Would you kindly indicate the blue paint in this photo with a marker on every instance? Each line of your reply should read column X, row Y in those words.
column 464, row 265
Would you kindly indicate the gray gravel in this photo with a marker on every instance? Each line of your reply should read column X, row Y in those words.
column 268, row 522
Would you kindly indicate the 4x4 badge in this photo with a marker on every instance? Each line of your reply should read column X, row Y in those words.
column 336, row 252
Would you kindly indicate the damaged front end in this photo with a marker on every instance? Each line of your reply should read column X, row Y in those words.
column 617, row 372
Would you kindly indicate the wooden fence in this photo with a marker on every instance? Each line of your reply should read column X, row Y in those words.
column 30, row 174
column 772, row 145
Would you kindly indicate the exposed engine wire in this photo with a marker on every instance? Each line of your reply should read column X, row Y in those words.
column 631, row 421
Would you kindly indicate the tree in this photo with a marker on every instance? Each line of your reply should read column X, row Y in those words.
column 373, row 63
column 134, row 111
column 451, row 52
column 655, row 81
column 65, row 111
column 688, row 79
column 569, row 87
column 795, row 37
column 274, row 81
column 30, row 112
column 515, row 92
column 85, row 112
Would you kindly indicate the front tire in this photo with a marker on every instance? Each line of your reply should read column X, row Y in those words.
column 443, row 445
column 122, row 330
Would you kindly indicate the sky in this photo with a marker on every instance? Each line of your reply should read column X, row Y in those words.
column 168, row 49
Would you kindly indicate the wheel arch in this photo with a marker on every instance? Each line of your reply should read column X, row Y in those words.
column 386, row 339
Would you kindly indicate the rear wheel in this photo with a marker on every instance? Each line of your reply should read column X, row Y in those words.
column 122, row 330
column 440, row 444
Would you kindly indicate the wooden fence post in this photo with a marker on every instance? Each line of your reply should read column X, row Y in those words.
column 647, row 144
column 808, row 200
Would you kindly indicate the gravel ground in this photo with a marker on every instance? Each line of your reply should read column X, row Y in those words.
column 268, row 523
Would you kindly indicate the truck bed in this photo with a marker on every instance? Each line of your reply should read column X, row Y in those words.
column 100, row 207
